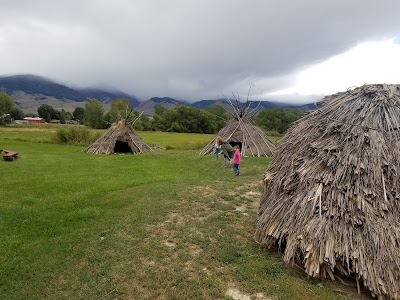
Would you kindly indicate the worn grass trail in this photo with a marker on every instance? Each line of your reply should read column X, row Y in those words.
column 164, row 225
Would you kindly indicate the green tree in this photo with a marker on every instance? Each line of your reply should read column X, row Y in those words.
column 63, row 116
column 17, row 114
column 185, row 119
column 139, row 122
column 159, row 109
column 158, row 122
column 277, row 119
column 119, row 109
column 220, row 112
column 5, row 119
column 68, row 115
column 94, row 114
column 6, row 104
column 79, row 114
column 48, row 112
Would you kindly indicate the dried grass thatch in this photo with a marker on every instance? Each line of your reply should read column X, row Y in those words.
column 119, row 138
column 251, row 138
column 241, row 131
column 332, row 191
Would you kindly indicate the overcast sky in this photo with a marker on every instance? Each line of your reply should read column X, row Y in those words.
column 289, row 50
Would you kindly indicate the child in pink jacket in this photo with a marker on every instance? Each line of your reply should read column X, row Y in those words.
column 236, row 160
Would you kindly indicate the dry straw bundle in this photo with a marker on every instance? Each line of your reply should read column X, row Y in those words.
column 332, row 191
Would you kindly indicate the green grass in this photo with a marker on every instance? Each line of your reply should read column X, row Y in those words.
column 44, row 133
column 156, row 139
column 173, row 140
column 35, row 134
column 163, row 225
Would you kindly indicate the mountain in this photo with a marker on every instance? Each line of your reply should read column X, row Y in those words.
column 31, row 84
column 202, row 104
column 107, row 96
column 148, row 106
column 30, row 91
column 253, row 104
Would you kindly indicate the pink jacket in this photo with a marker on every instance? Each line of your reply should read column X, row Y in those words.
column 237, row 157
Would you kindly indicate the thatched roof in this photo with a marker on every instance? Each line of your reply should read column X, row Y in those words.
column 332, row 190
column 252, row 139
column 241, row 131
column 119, row 138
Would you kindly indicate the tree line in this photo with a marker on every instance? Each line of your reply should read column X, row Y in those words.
column 179, row 119
column 8, row 110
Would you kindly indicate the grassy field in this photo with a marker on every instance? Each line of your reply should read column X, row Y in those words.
column 164, row 225
column 44, row 133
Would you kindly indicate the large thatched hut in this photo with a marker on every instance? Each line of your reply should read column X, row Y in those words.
column 332, row 190
column 119, row 138
column 241, row 131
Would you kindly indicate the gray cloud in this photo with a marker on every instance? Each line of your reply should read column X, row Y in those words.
column 184, row 49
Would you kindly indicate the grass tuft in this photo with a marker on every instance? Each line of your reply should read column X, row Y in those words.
column 74, row 135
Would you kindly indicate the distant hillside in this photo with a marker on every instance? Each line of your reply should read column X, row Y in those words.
column 148, row 106
column 30, row 91
column 253, row 104
column 202, row 104
column 107, row 96
column 308, row 106
column 31, row 84
column 29, row 103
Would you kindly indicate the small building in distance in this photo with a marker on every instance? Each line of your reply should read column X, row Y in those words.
column 34, row 120
column 21, row 122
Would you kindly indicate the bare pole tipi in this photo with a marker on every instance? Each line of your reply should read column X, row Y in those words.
column 241, row 131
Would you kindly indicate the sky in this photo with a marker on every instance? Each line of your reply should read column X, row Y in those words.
column 277, row 50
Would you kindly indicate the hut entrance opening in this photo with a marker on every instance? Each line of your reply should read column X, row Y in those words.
column 236, row 143
column 122, row 147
